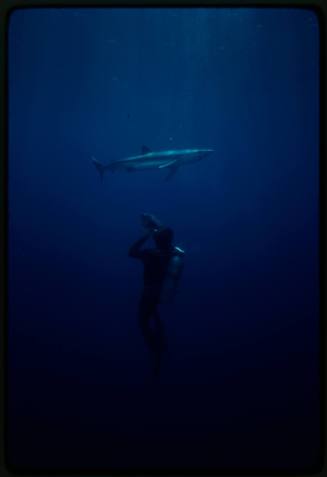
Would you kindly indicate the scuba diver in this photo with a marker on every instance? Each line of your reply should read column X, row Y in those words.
column 163, row 266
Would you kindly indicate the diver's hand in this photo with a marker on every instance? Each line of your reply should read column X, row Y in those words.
column 150, row 222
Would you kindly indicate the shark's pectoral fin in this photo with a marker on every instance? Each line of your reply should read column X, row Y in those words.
column 172, row 172
column 173, row 168
column 101, row 168
column 167, row 164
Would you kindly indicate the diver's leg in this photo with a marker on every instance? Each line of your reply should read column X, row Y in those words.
column 145, row 314
column 148, row 310
column 160, row 331
column 159, row 342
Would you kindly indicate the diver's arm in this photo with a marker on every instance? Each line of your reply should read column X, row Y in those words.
column 135, row 250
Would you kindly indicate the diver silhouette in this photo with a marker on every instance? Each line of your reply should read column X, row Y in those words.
column 162, row 270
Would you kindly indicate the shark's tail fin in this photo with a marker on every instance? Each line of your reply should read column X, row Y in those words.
column 101, row 168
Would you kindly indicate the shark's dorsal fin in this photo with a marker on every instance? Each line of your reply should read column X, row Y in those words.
column 145, row 149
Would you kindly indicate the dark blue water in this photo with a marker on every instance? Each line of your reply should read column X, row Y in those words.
column 240, row 379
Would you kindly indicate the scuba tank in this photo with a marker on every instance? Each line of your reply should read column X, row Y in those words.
column 173, row 274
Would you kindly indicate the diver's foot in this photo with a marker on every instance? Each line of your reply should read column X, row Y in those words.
column 156, row 372
column 157, row 367
column 163, row 347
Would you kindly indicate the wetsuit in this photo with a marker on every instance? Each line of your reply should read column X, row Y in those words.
column 155, row 263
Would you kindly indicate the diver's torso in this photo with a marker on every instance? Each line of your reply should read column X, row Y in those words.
column 155, row 267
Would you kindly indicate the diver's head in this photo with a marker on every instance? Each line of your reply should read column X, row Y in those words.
column 164, row 238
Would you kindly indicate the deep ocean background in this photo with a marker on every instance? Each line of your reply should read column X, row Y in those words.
column 240, row 380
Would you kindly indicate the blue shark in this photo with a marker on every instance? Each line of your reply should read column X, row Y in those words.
column 171, row 160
